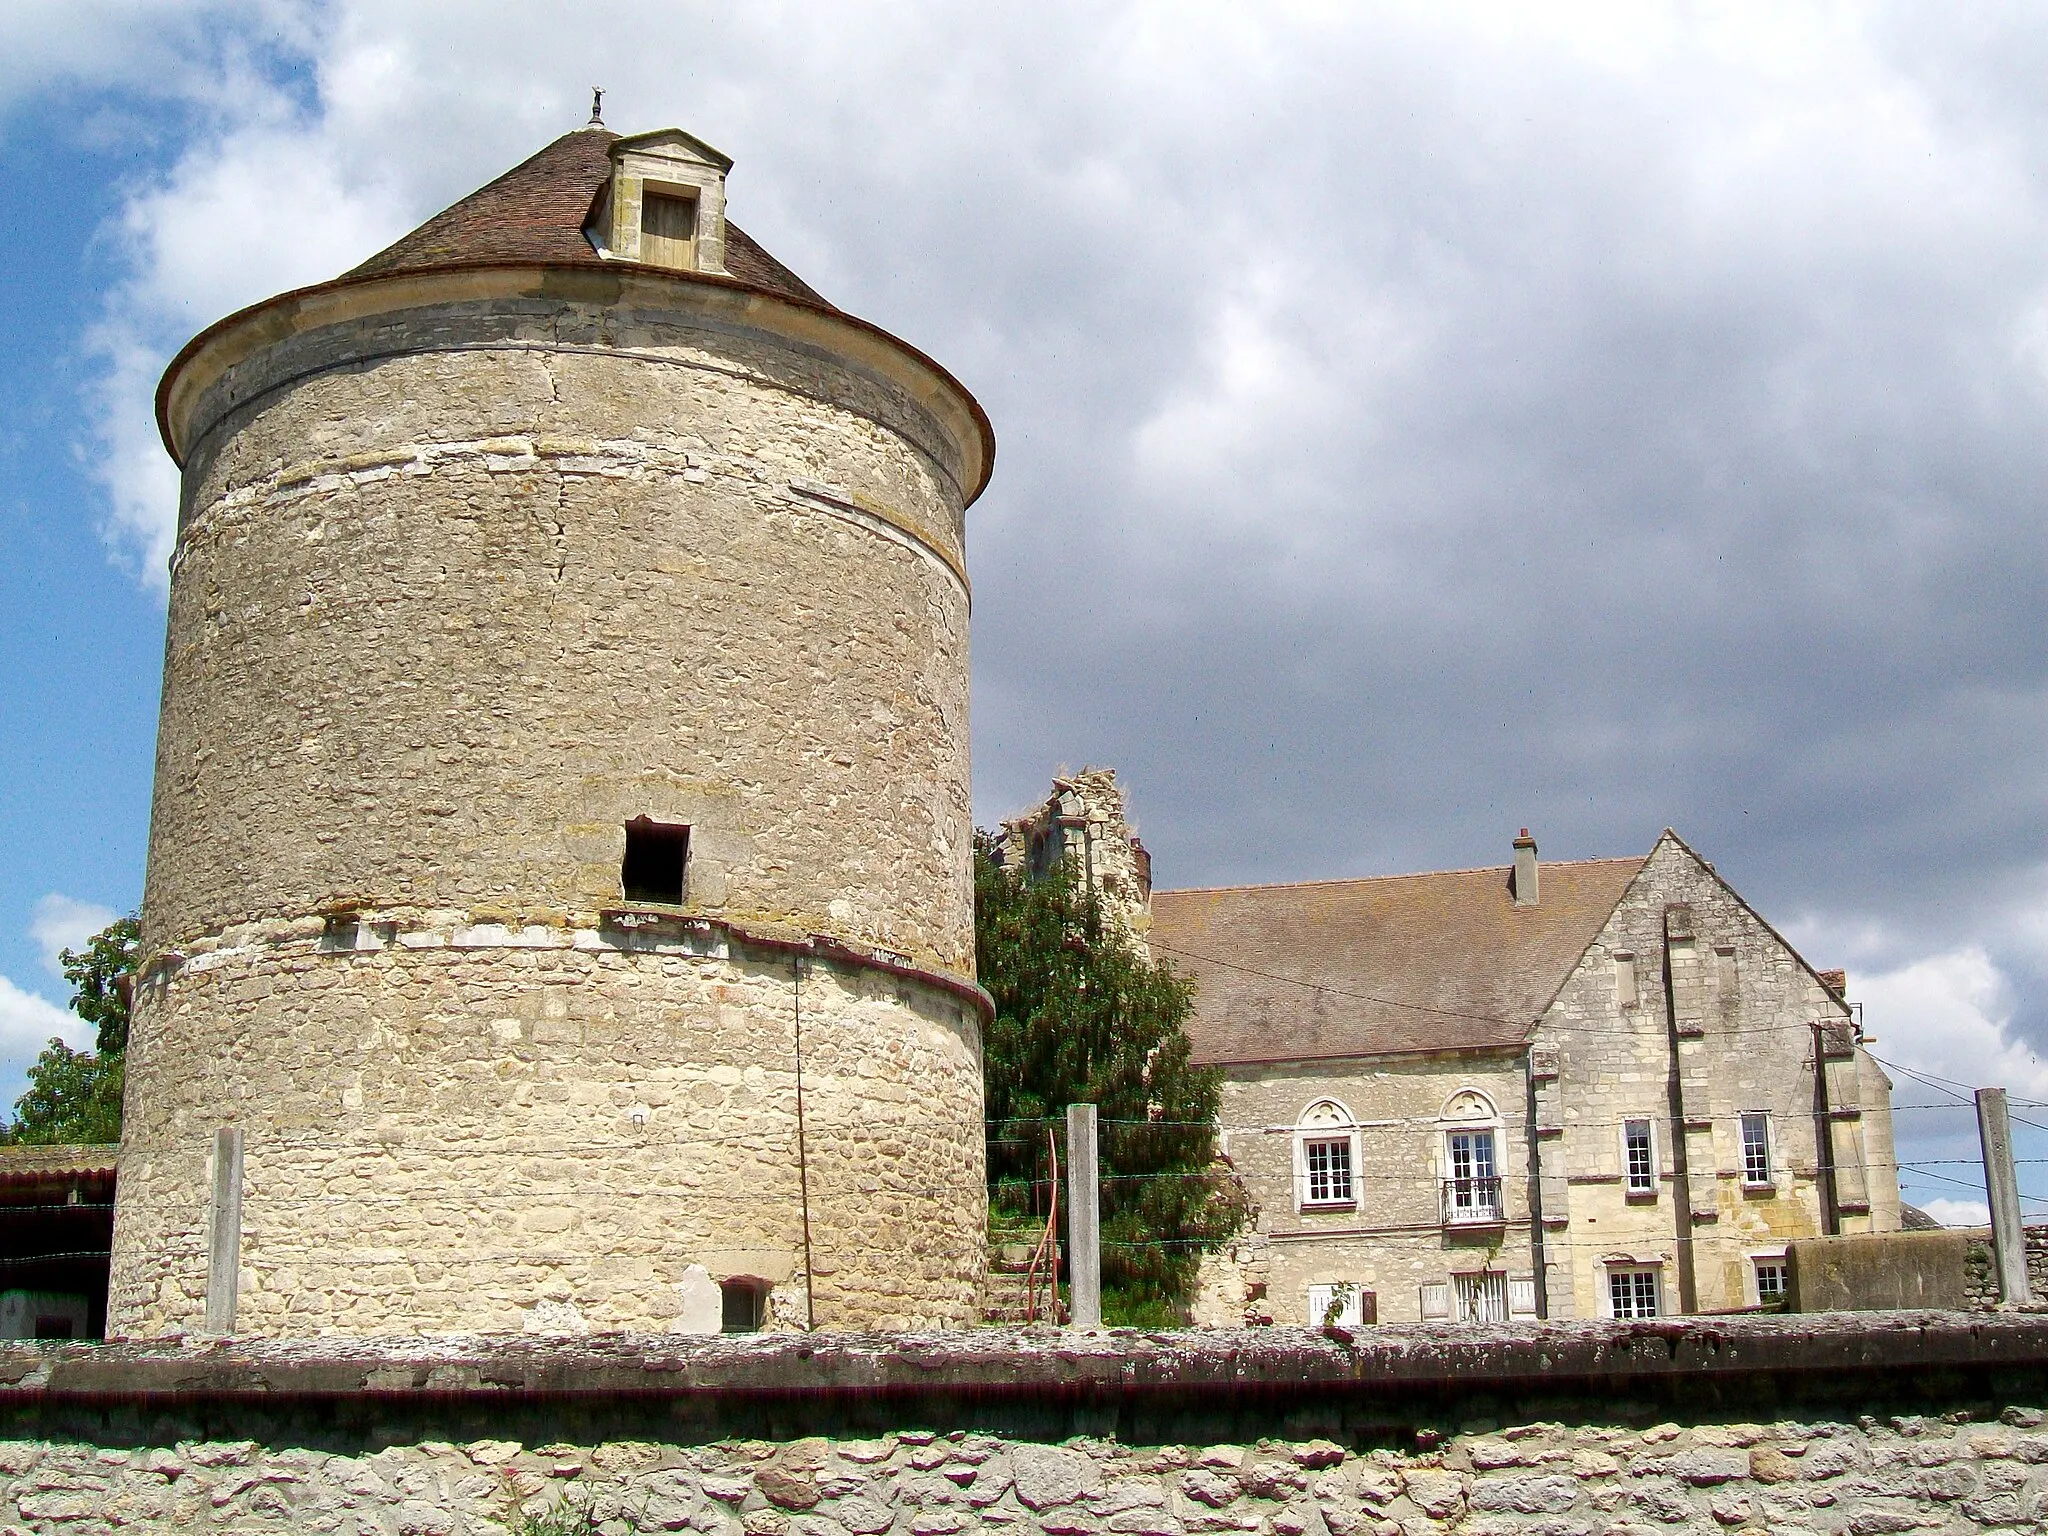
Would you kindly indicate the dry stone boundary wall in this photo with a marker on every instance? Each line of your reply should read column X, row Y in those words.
column 1853, row 1425
column 1864, row 1478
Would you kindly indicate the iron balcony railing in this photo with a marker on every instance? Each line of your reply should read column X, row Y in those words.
column 1471, row 1200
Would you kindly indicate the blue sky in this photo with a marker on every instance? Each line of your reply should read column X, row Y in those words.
column 1416, row 421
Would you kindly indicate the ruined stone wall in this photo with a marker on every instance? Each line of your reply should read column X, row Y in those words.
column 469, row 575
column 1083, row 822
column 1742, row 1005
column 1394, row 1240
column 482, row 1137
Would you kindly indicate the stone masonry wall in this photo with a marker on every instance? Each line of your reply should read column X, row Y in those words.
column 469, row 576
column 442, row 620
column 1742, row 1005
column 1854, row 1425
column 1829, row 1478
column 1981, row 1282
column 1083, row 821
column 1790, row 1477
column 543, row 1138
column 1393, row 1239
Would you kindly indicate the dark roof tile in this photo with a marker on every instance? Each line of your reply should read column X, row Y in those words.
column 536, row 211
column 1396, row 963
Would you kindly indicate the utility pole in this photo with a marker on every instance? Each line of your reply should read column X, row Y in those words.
column 1084, row 1218
column 2002, row 1191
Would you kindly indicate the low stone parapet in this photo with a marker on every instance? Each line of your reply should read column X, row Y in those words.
column 1861, row 1423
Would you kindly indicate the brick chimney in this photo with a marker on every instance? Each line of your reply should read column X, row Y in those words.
column 1525, row 870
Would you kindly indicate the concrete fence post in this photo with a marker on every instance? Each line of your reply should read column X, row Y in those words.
column 224, row 1255
column 1084, row 1218
column 2002, row 1191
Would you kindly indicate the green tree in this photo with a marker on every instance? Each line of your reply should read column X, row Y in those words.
column 1083, row 1017
column 75, row 1096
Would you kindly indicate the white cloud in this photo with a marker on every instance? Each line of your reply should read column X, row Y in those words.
column 27, row 1023
column 1647, row 401
column 54, row 49
column 1958, row 1213
column 1950, row 1015
column 63, row 922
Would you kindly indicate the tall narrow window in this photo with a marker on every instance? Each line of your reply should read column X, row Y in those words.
column 1632, row 1292
column 657, row 857
column 1756, row 1148
column 1325, row 1156
column 668, row 231
column 1625, row 981
column 1639, row 1149
column 1328, row 1163
column 1472, row 1192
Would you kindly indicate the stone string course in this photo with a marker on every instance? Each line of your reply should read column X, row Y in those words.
column 1861, row 1478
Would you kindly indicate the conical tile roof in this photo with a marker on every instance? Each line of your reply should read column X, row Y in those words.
column 536, row 211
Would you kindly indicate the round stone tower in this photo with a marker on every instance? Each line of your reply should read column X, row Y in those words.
column 559, row 909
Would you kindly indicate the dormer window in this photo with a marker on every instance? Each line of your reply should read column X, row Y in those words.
column 665, row 203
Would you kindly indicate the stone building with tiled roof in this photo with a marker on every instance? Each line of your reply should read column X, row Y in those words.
column 559, row 911
column 1582, row 1088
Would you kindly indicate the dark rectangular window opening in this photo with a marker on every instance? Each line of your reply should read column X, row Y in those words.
column 746, row 1305
column 657, row 856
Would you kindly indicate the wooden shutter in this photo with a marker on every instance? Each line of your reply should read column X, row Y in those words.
column 668, row 231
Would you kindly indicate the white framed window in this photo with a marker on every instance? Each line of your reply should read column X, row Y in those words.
column 1327, row 1162
column 1482, row 1297
column 1342, row 1303
column 1472, row 1192
column 1756, row 1149
column 1325, row 1157
column 1771, row 1282
column 1625, row 994
column 1634, row 1290
column 1770, row 1277
column 1639, row 1156
column 1436, row 1301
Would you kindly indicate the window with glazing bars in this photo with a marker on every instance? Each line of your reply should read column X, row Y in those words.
column 1632, row 1292
column 1756, row 1149
column 1475, row 1189
column 1770, row 1281
column 1329, row 1170
column 1642, row 1159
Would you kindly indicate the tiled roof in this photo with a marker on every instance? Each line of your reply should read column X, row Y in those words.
column 1396, row 963
column 536, row 212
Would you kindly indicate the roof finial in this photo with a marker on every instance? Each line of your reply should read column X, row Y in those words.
column 596, row 107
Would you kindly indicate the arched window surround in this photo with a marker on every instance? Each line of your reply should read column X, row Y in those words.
column 1471, row 1149
column 1326, row 1148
